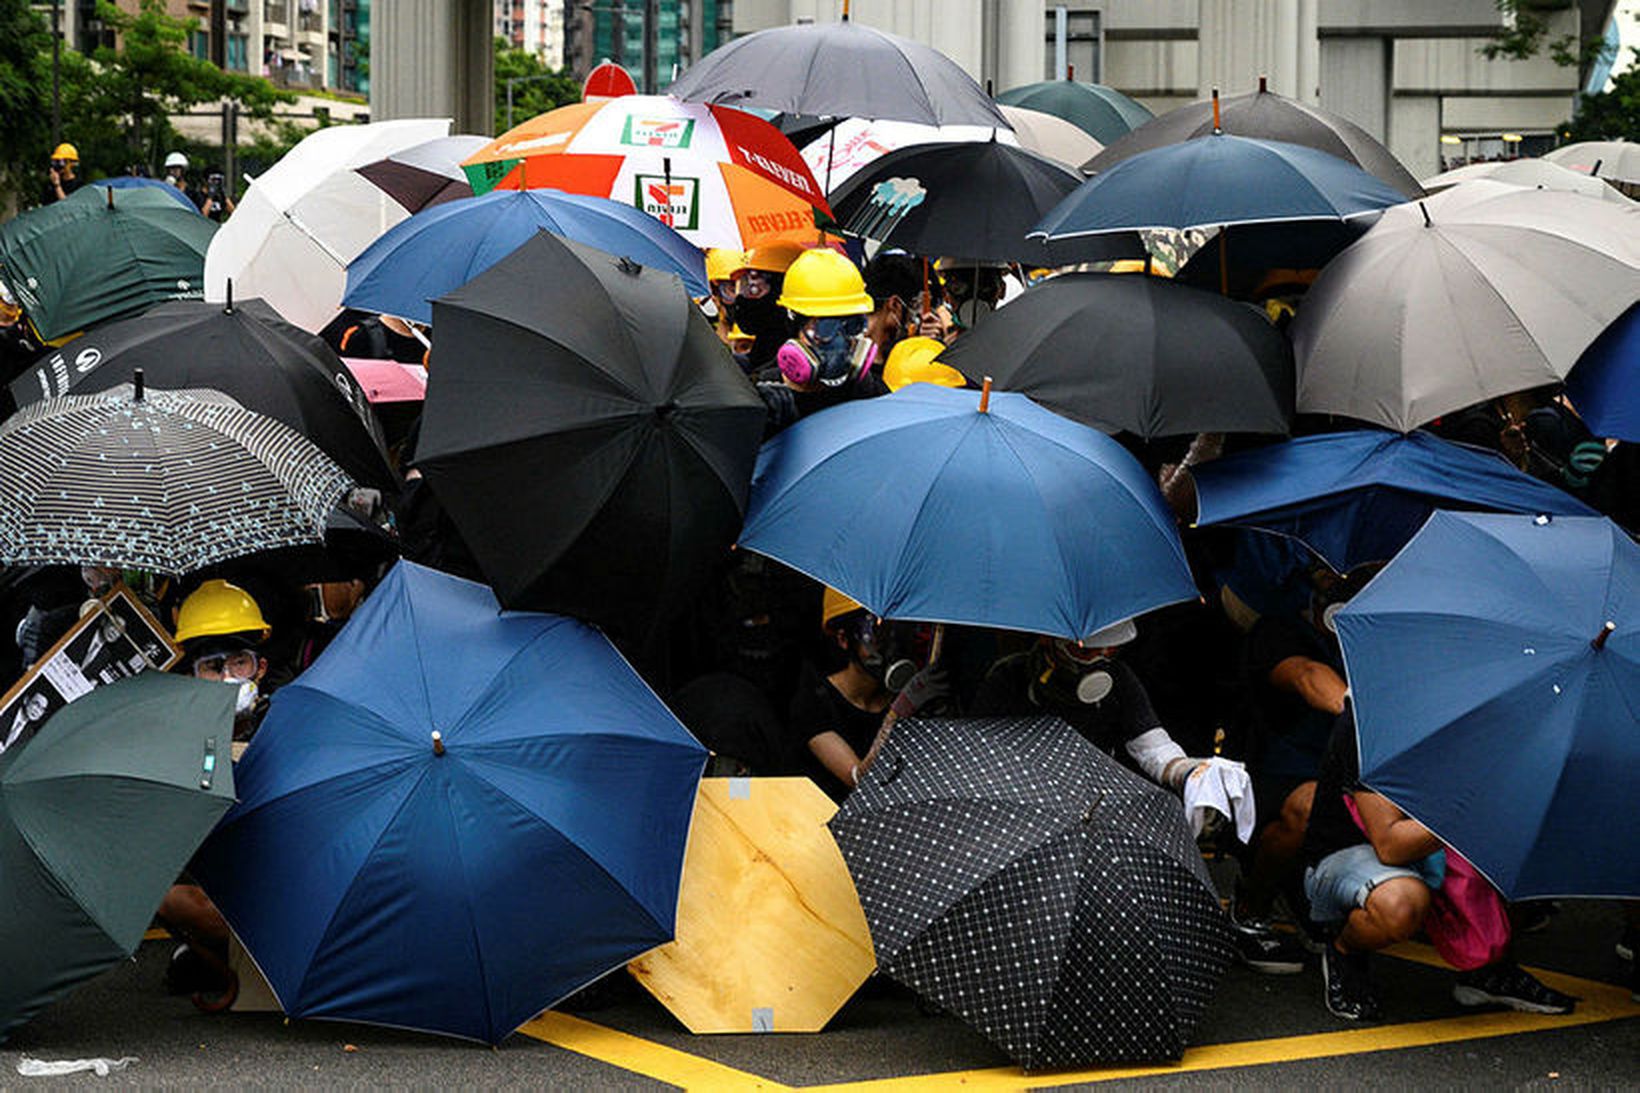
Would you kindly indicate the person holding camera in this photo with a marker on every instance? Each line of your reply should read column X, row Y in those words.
column 62, row 177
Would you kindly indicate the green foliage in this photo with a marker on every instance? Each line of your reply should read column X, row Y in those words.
column 537, row 88
column 1530, row 36
column 25, row 102
column 1610, row 115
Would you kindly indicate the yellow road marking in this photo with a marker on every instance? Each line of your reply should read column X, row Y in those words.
column 1600, row 1002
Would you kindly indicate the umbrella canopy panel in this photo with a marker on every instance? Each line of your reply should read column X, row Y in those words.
column 835, row 155
column 1533, row 173
column 1101, row 112
column 1051, row 136
column 426, row 174
column 1614, row 159
column 1605, row 384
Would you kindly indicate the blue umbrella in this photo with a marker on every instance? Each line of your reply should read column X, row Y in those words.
column 132, row 182
column 441, row 248
column 1495, row 666
column 1358, row 496
column 1217, row 181
column 1605, row 383
column 929, row 504
column 455, row 817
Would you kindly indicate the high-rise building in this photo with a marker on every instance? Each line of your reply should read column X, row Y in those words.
column 681, row 32
column 536, row 26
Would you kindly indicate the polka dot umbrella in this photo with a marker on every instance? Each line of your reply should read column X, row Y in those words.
column 1016, row 876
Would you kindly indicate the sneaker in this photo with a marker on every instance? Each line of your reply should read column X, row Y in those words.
column 1267, row 950
column 1510, row 985
column 1348, row 986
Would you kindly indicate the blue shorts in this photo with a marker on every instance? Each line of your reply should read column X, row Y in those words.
column 1343, row 880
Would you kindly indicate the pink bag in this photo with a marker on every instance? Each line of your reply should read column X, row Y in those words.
column 1467, row 921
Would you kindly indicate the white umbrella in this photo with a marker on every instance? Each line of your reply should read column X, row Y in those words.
column 1614, row 159
column 1051, row 136
column 306, row 217
column 1536, row 173
column 855, row 142
column 1479, row 291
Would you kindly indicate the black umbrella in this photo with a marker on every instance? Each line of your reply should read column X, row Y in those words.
column 588, row 434
column 842, row 70
column 1267, row 116
column 1015, row 875
column 966, row 199
column 246, row 351
column 1263, row 259
column 1125, row 352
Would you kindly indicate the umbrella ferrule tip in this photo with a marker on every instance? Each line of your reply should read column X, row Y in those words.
column 1599, row 641
column 438, row 742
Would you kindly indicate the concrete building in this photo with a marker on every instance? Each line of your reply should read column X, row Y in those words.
column 682, row 31
column 533, row 25
column 1408, row 71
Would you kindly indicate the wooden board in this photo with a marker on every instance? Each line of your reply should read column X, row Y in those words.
column 770, row 935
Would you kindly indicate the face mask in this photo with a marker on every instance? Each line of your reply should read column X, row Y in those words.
column 830, row 352
column 246, row 698
column 969, row 313
column 1087, row 684
column 760, row 316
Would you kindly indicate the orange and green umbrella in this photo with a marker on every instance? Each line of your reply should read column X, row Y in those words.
column 719, row 176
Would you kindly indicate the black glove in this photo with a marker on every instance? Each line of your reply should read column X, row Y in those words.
column 925, row 687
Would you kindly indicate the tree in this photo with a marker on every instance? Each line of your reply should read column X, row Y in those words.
column 25, row 102
column 1527, row 34
column 535, row 87
column 1610, row 115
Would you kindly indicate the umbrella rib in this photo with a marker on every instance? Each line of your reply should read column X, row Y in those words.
column 911, row 525
column 472, row 917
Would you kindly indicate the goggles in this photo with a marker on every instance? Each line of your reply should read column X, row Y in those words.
column 240, row 663
column 754, row 284
column 819, row 331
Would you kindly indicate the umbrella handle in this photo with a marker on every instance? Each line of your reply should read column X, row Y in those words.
column 897, row 765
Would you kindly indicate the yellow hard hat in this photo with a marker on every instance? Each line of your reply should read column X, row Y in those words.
column 216, row 608
column 912, row 361
column 773, row 257
column 834, row 605
column 66, row 151
column 824, row 283
column 736, row 334
column 723, row 263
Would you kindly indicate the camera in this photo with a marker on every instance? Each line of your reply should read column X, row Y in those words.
column 213, row 185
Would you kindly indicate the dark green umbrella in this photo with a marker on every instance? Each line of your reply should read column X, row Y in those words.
column 98, row 813
column 103, row 254
column 1103, row 113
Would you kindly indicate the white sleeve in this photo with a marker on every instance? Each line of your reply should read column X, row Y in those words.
column 1153, row 750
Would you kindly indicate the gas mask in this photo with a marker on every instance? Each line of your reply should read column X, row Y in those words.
column 891, row 652
column 1068, row 675
column 245, row 698
column 829, row 351
column 973, row 298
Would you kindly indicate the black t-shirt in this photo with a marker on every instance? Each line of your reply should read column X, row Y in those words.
column 1332, row 828
column 1289, row 735
column 1108, row 724
column 48, row 193
column 817, row 708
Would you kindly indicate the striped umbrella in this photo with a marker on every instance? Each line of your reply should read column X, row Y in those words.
column 166, row 481
column 719, row 176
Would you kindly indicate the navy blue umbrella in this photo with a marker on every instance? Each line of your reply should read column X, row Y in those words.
column 937, row 505
column 1214, row 182
column 1495, row 666
column 455, row 817
column 1605, row 384
column 441, row 248
column 132, row 182
column 1358, row 496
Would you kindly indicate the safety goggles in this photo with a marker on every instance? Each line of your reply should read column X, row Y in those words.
column 753, row 284
column 819, row 331
column 725, row 290
column 241, row 664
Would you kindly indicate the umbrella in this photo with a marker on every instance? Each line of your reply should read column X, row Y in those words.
column 1495, row 666
column 102, row 255
column 720, row 177
column 439, row 250
column 770, row 933
column 1267, row 116
column 1137, row 354
column 1479, row 291
column 167, row 481
column 835, row 155
column 1101, row 112
column 304, row 219
column 1540, row 174
column 1051, row 136
column 1216, row 182
column 244, row 350
column 98, row 814
column 964, row 199
column 939, row 505
column 1266, row 256
column 388, row 381
column 839, row 69
column 1605, row 383
column 426, row 174
column 1359, row 496
column 1015, row 875
column 588, row 433
column 455, row 817
column 132, row 182
column 1618, row 160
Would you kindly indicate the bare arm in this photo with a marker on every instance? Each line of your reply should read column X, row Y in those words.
column 1397, row 837
column 1316, row 683
column 835, row 755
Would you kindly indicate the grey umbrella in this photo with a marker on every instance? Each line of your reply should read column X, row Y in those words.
column 166, row 481
column 1538, row 173
column 1478, row 292
column 1614, row 159
column 843, row 70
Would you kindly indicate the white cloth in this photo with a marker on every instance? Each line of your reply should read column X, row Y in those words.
column 1152, row 750
column 41, row 1068
column 1223, row 787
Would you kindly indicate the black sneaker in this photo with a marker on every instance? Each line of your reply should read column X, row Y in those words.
column 1510, row 985
column 1267, row 950
column 1347, row 985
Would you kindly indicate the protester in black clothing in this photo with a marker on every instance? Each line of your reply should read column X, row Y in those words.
column 906, row 301
column 62, row 174
column 758, row 313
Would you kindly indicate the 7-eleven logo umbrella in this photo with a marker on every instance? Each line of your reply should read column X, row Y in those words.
column 720, row 176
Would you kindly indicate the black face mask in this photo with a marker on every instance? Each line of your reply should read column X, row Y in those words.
column 762, row 317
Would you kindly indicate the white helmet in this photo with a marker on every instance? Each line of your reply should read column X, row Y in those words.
column 176, row 159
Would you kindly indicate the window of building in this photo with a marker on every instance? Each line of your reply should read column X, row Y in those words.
column 1082, row 26
column 199, row 44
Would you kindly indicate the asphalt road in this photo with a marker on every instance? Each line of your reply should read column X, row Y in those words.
column 881, row 1034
